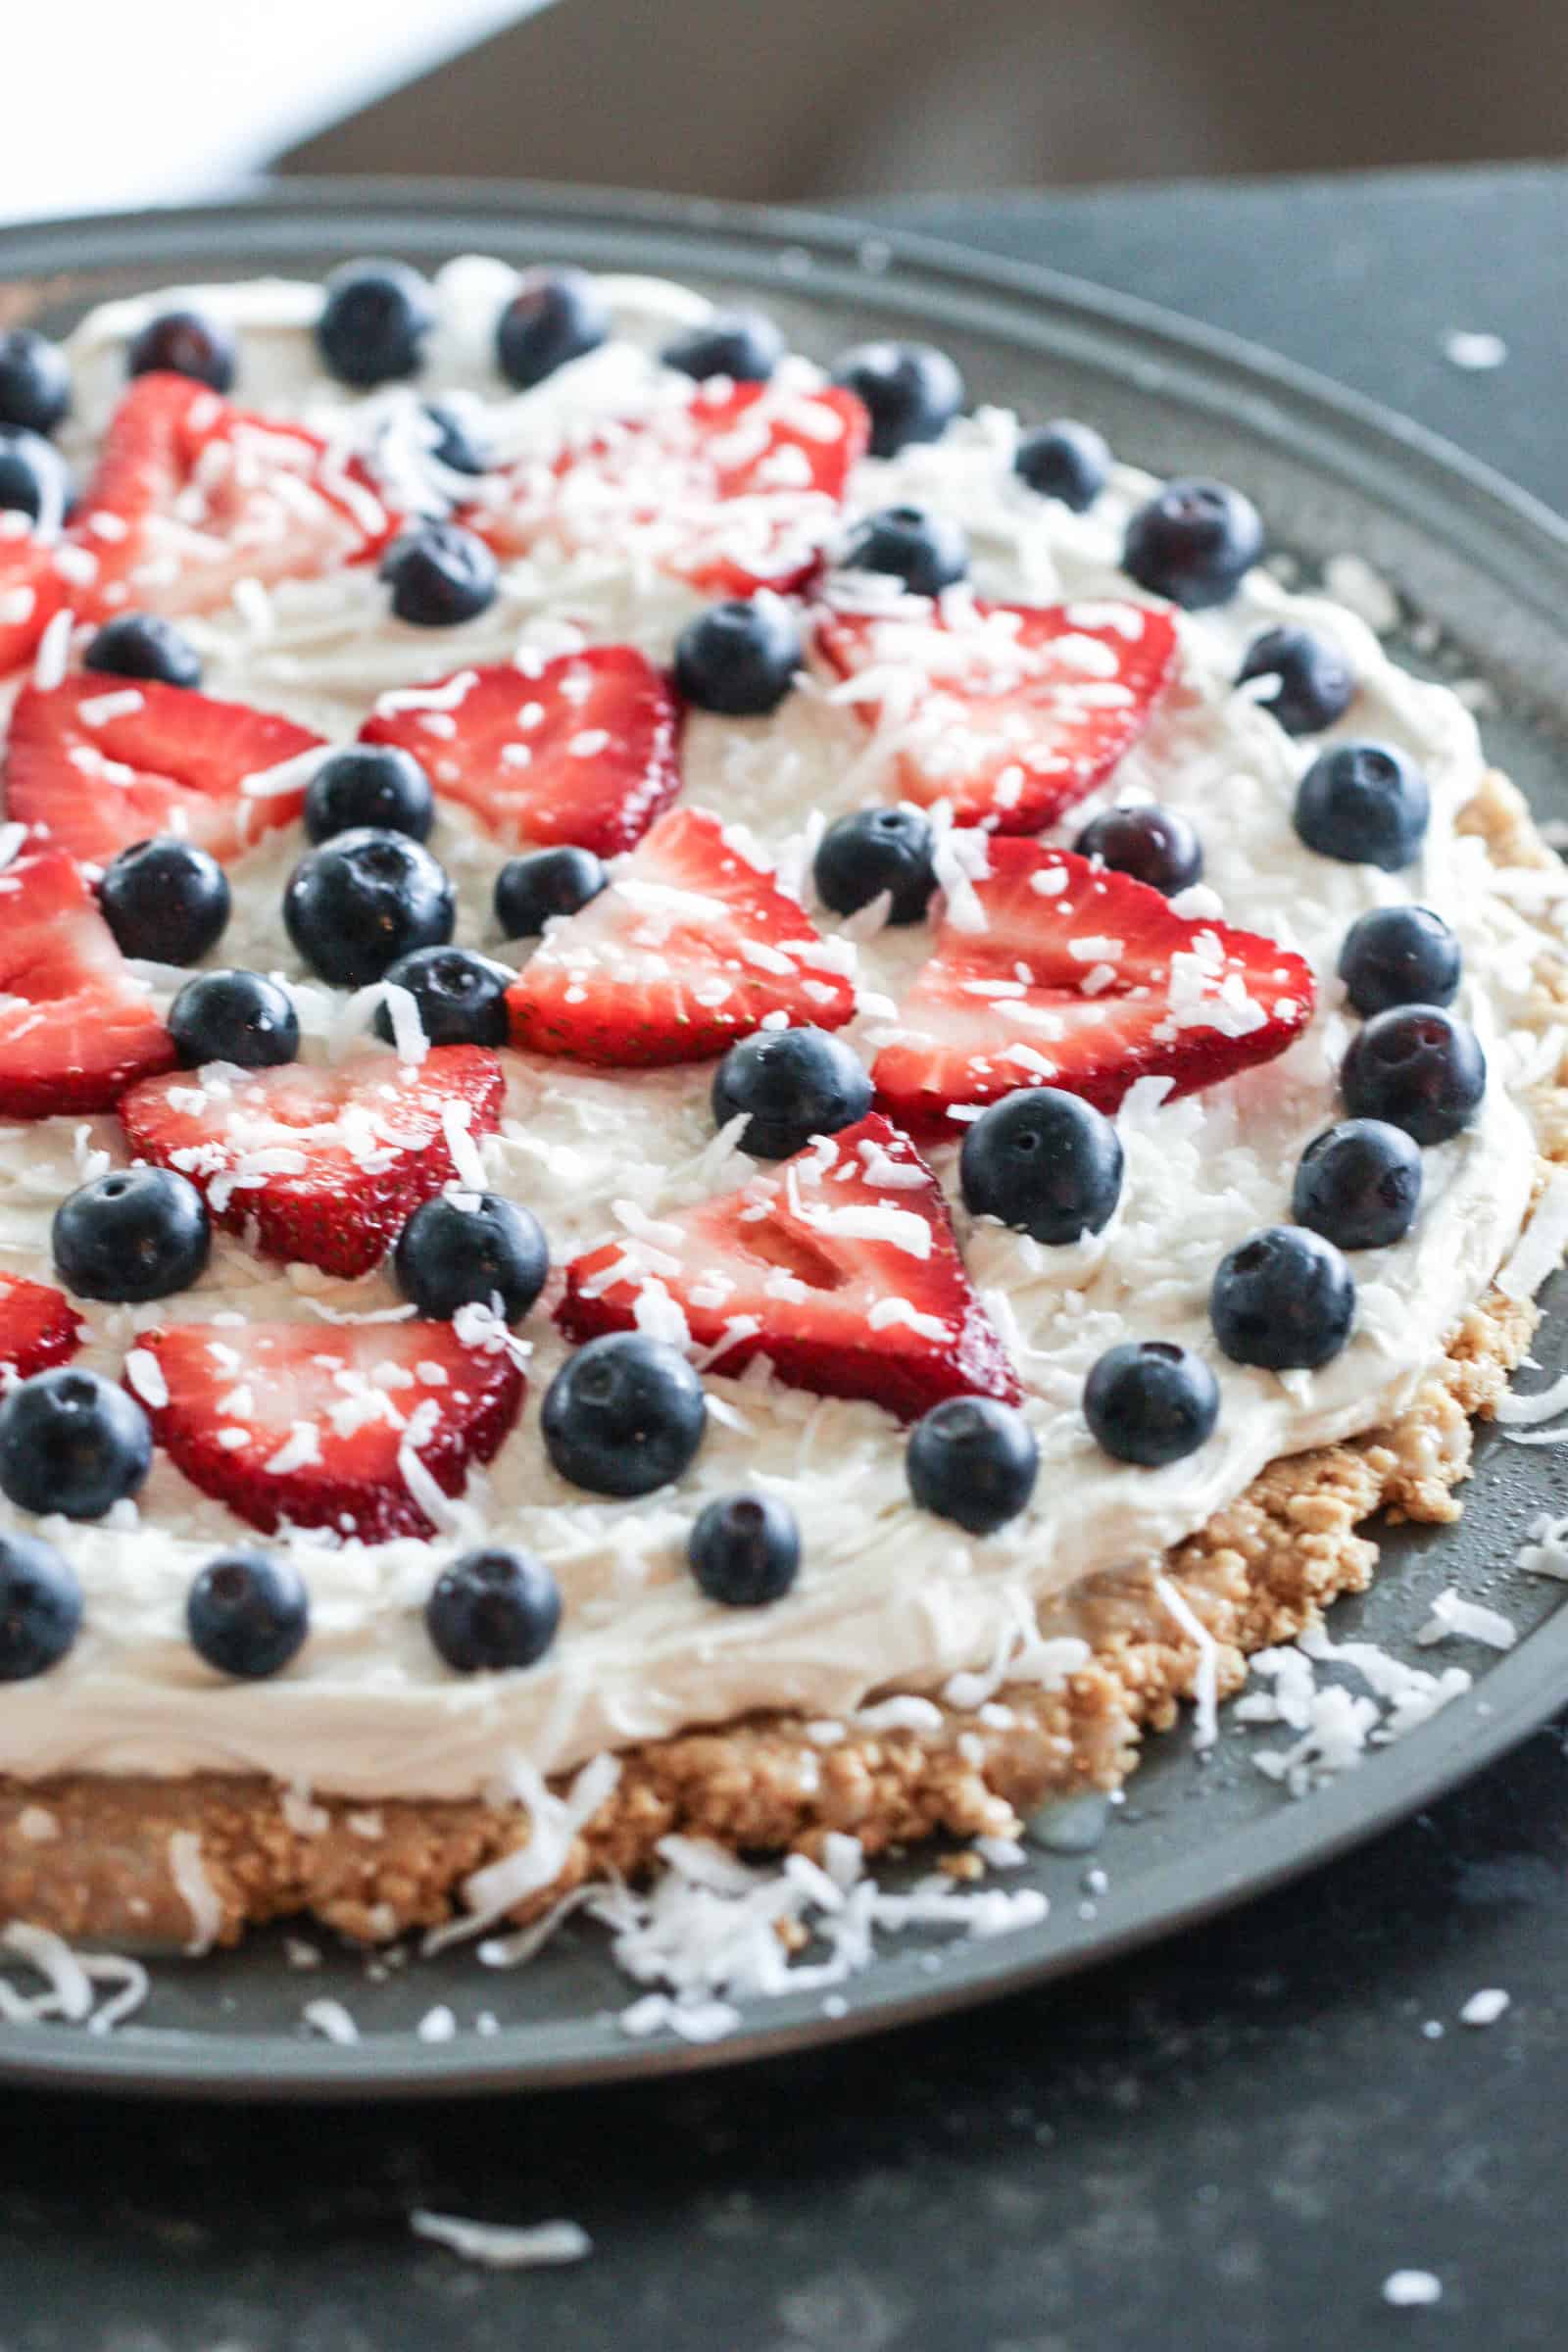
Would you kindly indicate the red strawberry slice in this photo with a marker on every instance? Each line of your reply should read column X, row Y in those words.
column 192, row 494
column 582, row 750
column 76, row 1029
column 839, row 1266
column 691, row 947
column 1011, row 712
column 97, row 762
column 325, row 1165
column 1082, row 979
column 31, row 591
column 733, row 487
column 38, row 1327
column 317, row 1424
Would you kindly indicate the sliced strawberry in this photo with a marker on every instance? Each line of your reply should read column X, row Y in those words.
column 325, row 1165
column 732, row 487
column 839, row 1266
column 582, row 750
column 31, row 591
column 1083, row 979
column 1011, row 712
column 76, row 1029
column 691, row 947
column 97, row 762
column 192, row 494
column 38, row 1327
column 315, row 1423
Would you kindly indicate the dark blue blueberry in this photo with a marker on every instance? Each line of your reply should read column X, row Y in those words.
column 165, row 899
column 791, row 1084
column 1284, row 1300
column 1314, row 685
column 143, row 645
column 1358, row 1183
column 972, row 1460
column 461, row 997
column 744, row 345
column 40, row 1607
column 1365, row 803
column 555, row 316
column 1046, row 1162
column 374, row 322
column 34, row 476
column 455, row 446
column 1418, row 1067
column 927, row 552
column 547, row 882
column 241, row 1018
column 468, row 1248
column 134, row 1234
column 375, row 784
column 1193, row 542
column 1149, row 1401
column 72, row 1441
column 247, row 1614
column 745, row 1550
column 623, row 1416
column 361, row 900
column 184, row 343
column 439, row 576
column 911, row 391
column 739, row 658
column 1154, row 845
column 1399, row 956
column 493, row 1609
column 34, row 380
column 875, row 850
column 1064, row 460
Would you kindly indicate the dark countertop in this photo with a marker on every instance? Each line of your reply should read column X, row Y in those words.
column 1225, row 2145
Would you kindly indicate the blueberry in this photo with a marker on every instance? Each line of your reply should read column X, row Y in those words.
column 1149, row 1401
column 1314, row 682
column 40, row 1607
column 1064, row 460
column 248, row 1613
column 555, row 316
column 547, row 882
column 165, row 899
column 623, row 1416
column 1046, row 1162
column 493, row 1609
column 72, row 1441
column 373, row 784
column 34, row 380
column 134, row 1234
column 1284, row 1300
column 745, row 1550
column 143, row 645
column 1365, row 803
column 791, row 1084
column 1193, row 542
column 454, row 445
column 911, row 391
column 34, row 477
column 439, row 576
column 184, row 343
column 1358, row 1183
column 374, row 322
column 972, row 1460
column 875, row 850
column 241, row 1018
column 739, row 658
column 461, row 997
column 925, row 551
column 744, row 345
column 361, row 900
column 1154, row 845
column 1399, row 956
column 468, row 1248
column 1418, row 1067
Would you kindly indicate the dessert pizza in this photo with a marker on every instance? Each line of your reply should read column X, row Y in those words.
column 733, row 1100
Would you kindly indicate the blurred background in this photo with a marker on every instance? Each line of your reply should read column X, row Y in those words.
column 810, row 101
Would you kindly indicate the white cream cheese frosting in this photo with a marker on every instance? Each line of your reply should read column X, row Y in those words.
column 888, row 1598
